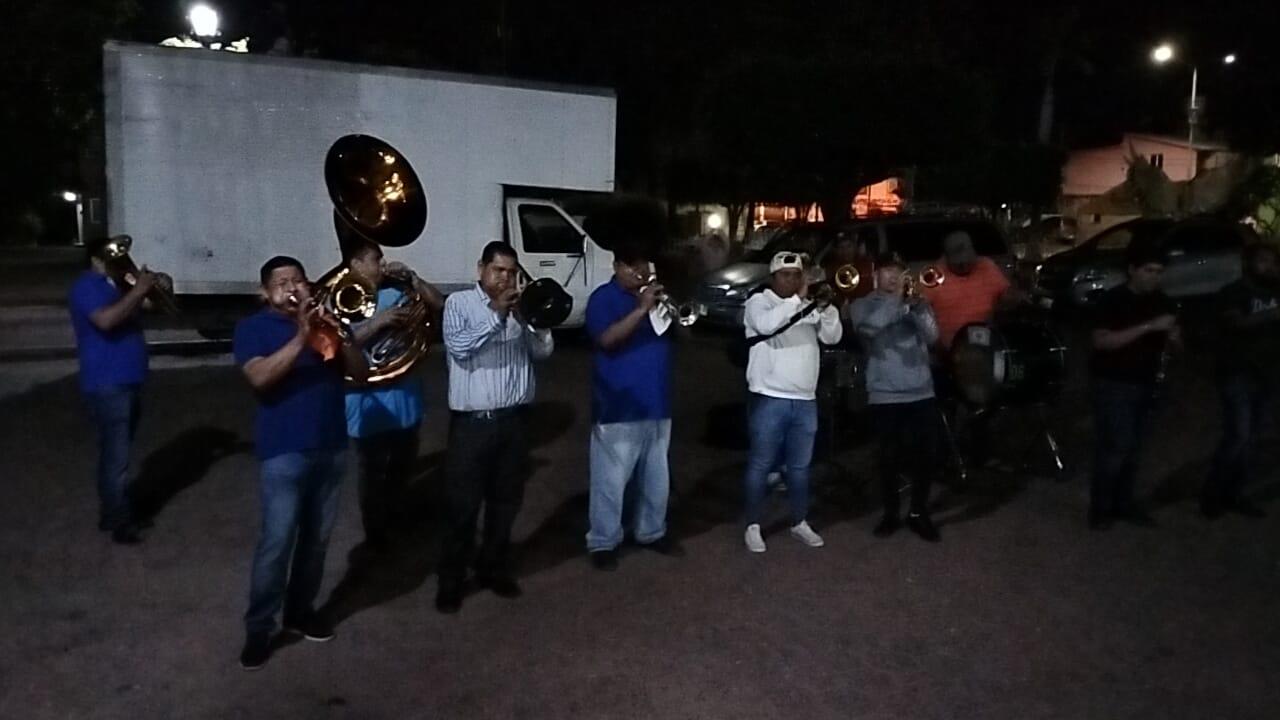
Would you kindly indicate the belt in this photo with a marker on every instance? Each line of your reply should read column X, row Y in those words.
column 497, row 414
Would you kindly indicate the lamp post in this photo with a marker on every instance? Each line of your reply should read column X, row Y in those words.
column 75, row 199
column 1165, row 53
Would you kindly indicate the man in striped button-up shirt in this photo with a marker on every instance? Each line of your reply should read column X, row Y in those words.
column 490, row 349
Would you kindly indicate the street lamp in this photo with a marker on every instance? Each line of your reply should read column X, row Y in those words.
column 204, row 20
column 1164, row 53
column 70, row 196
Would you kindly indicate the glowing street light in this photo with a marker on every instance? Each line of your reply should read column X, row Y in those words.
column 70, row 196
column 204, row 20
column 1162, row 54
column 715, row 221
column 1229, row 60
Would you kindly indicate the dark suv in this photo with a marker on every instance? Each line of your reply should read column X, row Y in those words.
column 1204, row 255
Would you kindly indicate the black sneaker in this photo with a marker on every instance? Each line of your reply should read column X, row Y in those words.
column 887, row 526
column 665, row 546
column 126, row 534
column 257, row 648
column 606, row 560
column 502, row 586
column 923, row 526
column 449, row 599
column 314, row 629
column 1247, row 509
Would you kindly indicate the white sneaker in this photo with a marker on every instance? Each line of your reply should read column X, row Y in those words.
column 806, row 535
column 755, row 543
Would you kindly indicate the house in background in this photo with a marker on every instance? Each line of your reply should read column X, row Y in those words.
column 1092, row 178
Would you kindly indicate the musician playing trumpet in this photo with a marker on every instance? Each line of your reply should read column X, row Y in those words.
column 897, row 327
column 105, row 315
column 631, row 408
column 301, row 440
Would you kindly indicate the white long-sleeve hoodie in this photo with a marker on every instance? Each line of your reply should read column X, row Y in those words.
column 786, row 366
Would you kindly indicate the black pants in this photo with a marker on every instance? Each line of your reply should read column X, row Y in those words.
column 487, row 463
column 386, row 465
column 1246, row 402
column 1121, row 412
column 910, row 434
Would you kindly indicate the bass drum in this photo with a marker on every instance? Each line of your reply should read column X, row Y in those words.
column 1014, row 363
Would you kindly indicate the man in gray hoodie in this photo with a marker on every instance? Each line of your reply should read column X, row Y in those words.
column 896, row 330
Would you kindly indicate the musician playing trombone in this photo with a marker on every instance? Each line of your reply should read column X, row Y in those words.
column 383, row 420
column 301, row 439
column 782, row 376
column 631, row 408
column 113, row 365
column 490, row 352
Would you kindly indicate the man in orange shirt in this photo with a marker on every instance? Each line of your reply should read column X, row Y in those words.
column 973, row 288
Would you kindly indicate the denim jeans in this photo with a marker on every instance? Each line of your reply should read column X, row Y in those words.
column 299, row 493
column 114, row 412
column 386, row 466
column 629, row 459
column 1245, row 407
column 1120, row 415
column 780, row 430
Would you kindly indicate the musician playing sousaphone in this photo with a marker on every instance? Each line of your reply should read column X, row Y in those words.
column 383, row 419
column 106, row 303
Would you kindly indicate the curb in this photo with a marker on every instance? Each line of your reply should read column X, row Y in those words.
column 181, row 348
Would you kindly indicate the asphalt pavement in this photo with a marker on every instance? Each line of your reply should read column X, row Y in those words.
column 1020, row 612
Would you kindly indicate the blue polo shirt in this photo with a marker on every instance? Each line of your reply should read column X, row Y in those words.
column 107, row 359
column 632, row 382
column 304, row 411
column 397, row 406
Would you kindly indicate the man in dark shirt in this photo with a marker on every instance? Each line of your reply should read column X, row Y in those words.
column 1135, row 328
column 1248, row 354
column 301, row 441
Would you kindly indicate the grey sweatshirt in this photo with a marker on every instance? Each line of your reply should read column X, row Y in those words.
column 897, row 337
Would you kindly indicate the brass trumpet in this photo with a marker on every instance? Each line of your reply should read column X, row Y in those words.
column 929, row 277
column 685, row 314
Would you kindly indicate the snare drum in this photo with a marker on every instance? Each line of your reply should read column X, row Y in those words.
column 1010, row 364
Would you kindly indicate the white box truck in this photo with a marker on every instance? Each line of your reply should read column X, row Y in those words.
column 214, row 162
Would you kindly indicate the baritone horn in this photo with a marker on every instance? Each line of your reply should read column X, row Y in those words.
column 930, row 277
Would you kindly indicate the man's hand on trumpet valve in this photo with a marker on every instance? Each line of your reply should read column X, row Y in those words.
column 649, row 295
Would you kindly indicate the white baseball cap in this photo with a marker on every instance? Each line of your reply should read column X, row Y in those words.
column 786, row 259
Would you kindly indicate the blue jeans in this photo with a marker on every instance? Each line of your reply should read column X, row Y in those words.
column 780, row 430
column 114, row 412
column 299, row 493
column 1120, row 415
column 620, row 453
column 1245, row 406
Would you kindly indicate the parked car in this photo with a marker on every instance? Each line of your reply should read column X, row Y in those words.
column 1204, row 255
column 918, row 239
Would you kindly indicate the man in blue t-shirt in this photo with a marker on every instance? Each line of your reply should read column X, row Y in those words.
column 384, row 420
column 631, row 406
column 301, row 437
column 113, row 365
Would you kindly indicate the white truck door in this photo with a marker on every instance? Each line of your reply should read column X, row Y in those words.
column 551, row 245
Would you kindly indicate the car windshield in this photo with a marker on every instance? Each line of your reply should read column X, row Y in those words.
column 801, row 239
column 1117, row 239
column 922, row 241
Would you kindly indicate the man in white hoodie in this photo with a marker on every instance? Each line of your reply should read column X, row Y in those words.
column 782, row 375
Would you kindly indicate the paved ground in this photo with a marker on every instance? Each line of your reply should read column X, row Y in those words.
column 1019, row 613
